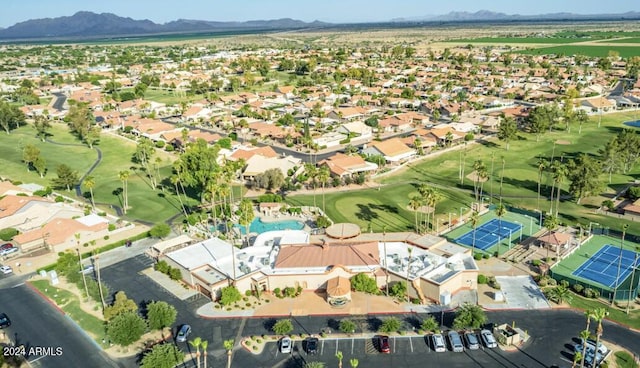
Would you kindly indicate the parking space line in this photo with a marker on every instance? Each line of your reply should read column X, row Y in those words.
column 411, row 344
column 337, row 343
column 322, row 348
column 353, row 341
column 394, row 344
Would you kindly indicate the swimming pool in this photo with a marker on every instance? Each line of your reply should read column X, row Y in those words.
column 258, row 226
column 635, row 124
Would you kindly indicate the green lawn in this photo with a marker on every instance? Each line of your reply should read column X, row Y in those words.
column 586, row 50
column 520, row 40
column 521, row 173
column 625, row 360
column 167, row 97
column 632, row 319
column 146, row 204
column 70, row 304
column 624, row 40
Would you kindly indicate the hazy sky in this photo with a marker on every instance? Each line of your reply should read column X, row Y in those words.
column 160, row 11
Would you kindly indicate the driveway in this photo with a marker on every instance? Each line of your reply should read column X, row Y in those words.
column 520, row 292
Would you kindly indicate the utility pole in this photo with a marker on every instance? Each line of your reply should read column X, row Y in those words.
column 84, row 279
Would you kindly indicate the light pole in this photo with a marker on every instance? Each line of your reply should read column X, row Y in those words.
column 592, row 223
column 461, row 208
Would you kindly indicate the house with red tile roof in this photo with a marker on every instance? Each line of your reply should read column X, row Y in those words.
column 393, row 150
column 341, row 165
column 59, row 234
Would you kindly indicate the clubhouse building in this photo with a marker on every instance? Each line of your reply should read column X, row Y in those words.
column 435, row 268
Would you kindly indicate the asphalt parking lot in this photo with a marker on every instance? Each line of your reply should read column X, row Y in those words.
column 552, row 333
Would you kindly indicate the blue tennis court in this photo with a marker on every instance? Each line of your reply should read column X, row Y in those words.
column 489, row 234
column 602, row 267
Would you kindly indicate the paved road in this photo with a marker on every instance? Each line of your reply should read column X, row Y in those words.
column 552, row 332
column 36, row 323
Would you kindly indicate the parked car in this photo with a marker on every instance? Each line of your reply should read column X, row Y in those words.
column 588, row 359
column 285, row 345
column 602, row 349
column 311, row 345
column 6, row 269
column 383, row 344
column 88, row 269
column 183, row 333
column 438, row 343
column 472, row 340
column 488, row 339
column 6, row 245
column 8, row 251
column 455, row 341
column 4, row 321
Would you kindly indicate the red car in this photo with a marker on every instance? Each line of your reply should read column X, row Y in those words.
column 383, row 344
column 6, row 246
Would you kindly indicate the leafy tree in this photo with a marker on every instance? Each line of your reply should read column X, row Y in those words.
column 42, row 126
column 198, row 167
column 121, row 305
column 30, row 154
column 323, row 222
column 163, row 356
column 40, row 164
column 507, row 130
column 230, row 295
column 160, row 230
column 270, row 179
column 430, row 324
column 160, row 315
column 584, row 175
column 126, row 328
column 81, row 122
column 362, row 282
column 10, row 116
column 347, row 326
column 469, row 315
column 391, row 324
column 90, row 183
column 282, row 327
column 66, row 177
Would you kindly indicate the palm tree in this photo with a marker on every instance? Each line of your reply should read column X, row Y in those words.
column 588, row 314
column 339, row 356
column 204, row 344
column 84, row 279
column 228, row 346
column 577, row 356
column 415, row 203
column 90, row 183
column 501, row 210
column 196, row 343
column 551, row 222
column 633, row 275
column 323, row 176
column 354, row 363
column 478, row 166
column 175, row 179
column 584, row 335
column 474, row 219
column 124, row 178
column 542, row 164
column 615, row 289
column 312, row 174
column 599, row 314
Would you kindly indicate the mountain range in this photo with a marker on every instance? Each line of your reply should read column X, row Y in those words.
column 486, row 15
column 88, row 25
column 91, row 25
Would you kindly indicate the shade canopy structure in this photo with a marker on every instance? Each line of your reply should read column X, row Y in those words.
column 338, row 291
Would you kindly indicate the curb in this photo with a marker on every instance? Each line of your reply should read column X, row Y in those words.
column 43, row 296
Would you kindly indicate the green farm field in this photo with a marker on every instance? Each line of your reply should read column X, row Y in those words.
column 586, row 50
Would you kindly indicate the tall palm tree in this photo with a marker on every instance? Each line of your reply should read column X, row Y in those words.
column 84, row 279
column 551, row 222
column 323, row 176
column 584, row 335
column 615, row 289
column 204, row 344
column 501, row 210
column 196, row 343
column 577, row 357
column 633, row 275
column 433, row 202
column 474, row 219
column 478, row 166
column 90, row 183
column 124, row 178
column 354, row 362
column 415, row 203
column 312, row 174
column 542, row 164
column 588, row 314
column 339, row 356
column 599, row 314
column 228, row 346
column 175, row 179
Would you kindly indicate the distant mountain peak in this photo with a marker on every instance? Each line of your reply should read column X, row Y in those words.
column 488, row 15
column 86, row 24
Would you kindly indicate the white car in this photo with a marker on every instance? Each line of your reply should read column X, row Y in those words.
column 488, row 339
column 285, row 345
column 438, row 343
column 6, row 269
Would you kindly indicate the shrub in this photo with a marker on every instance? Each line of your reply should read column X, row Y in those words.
column 59, row 199
column 8, row 233
column 391, row 324
column 477, row 256
column 162, row 266
column 160, row 144
column 486, row 256
column 174, row 274
column 564, row 283
column 247, row 293
column 111, row 227
column 347, row 326
column 289, row 292
column 169, row 148
column 590, row 293
column 536, row 262
column 364, row 283
column 282, row 327
column 229, row 295
column 482, row 279
column 578, row 288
